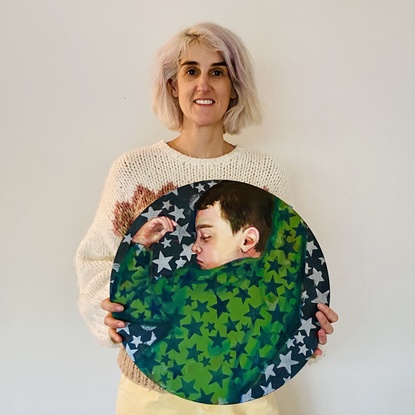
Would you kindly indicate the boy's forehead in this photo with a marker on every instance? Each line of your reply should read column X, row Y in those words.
column 209, row 217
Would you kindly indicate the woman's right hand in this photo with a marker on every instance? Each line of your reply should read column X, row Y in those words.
column 110, row 321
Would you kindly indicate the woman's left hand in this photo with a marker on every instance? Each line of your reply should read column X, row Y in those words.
column 325, row 316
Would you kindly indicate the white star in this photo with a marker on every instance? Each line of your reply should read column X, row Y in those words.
column 166, row 205
column 136, row 340
column 181, row 232
column 180, row 262
column 163, row 262
column 269, row 371
column 193, row 199
column 211, row 184
column 130, row 351
column 321, row 297
column 166, row 242
column 127, row 238
column 148, row 328
column 307, row 325
column 287, row 379
column 311, row 247
column 307, row 268
column 151, row 213
column 116, row 267
column 187, row 251
column 303, row 349
column 247, row 396
column 177, row 213
column 290, row 343
column 152, row 340
column 304, row 295
column 299, row 338
column 126, row 329
column 322, row 260
column 286, row 362
column 316, row 276
column 267, row 389
column 200, row 188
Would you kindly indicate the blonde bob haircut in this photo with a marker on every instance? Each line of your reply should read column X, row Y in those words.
column 243, row 110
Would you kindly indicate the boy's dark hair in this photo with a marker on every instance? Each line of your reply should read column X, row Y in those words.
column 242, row 205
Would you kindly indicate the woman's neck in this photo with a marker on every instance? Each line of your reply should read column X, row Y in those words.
column 204, row 144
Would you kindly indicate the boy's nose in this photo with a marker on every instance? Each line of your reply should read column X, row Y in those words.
column 195, row 248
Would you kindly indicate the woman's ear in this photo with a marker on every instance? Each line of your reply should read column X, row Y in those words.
column 250, row 239
column 173, row 88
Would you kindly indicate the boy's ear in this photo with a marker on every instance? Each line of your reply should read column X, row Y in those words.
column 250, row 239
column 173, row 87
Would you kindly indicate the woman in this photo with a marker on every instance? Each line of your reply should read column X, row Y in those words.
column 204, row 87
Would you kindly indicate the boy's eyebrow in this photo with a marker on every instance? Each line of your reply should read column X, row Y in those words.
column 187, row 63
column 203, row 225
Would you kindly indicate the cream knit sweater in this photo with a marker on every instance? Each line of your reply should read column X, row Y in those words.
column 135, row 180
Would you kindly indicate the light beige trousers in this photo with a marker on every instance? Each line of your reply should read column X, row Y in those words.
column 134, row 399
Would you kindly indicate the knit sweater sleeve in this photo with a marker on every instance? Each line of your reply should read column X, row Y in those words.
column 95, row 255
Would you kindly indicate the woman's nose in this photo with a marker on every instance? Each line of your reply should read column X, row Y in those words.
column 203, row 84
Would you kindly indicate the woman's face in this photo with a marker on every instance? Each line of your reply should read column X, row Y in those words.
column 203, row 87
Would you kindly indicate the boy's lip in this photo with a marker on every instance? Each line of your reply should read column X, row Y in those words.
column 199, row 262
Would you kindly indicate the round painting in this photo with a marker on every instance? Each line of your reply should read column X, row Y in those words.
column 220, row 281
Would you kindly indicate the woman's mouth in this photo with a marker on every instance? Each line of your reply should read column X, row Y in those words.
column 204, row 101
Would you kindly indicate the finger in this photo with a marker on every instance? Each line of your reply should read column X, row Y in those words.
column 111, row 307
column 168, row 224
column 324, row 323
column 322, row 337
column 330, row 314
column 115, row 336
column 112, row 322
column 318, row 352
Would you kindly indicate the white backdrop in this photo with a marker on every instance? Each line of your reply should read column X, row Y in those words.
column 337, row 83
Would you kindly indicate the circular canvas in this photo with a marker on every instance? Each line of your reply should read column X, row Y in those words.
column 220, row 282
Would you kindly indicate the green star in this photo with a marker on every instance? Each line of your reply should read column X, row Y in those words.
column 231, row 326
column 254, row 313
column 217, row 340
column 193, row 353
column 176, row 369
column 204, row 397
column 172, row 344
column 210, row 327
column 193, row 327
column 242, row 294
column 201, row 307
column 217, row 376
column 220, row 306
column 187, row 387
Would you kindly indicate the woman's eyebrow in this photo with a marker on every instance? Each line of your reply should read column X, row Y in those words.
column 194, row 63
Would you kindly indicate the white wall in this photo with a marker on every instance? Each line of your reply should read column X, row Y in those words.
column 337, row 82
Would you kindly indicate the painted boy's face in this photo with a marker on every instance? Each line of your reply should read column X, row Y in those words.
column 215, row 243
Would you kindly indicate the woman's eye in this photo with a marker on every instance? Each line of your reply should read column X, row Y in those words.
column 191, row 72
column 217, row 72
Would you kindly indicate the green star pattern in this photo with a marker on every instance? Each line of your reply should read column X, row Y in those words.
column 220, row 327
